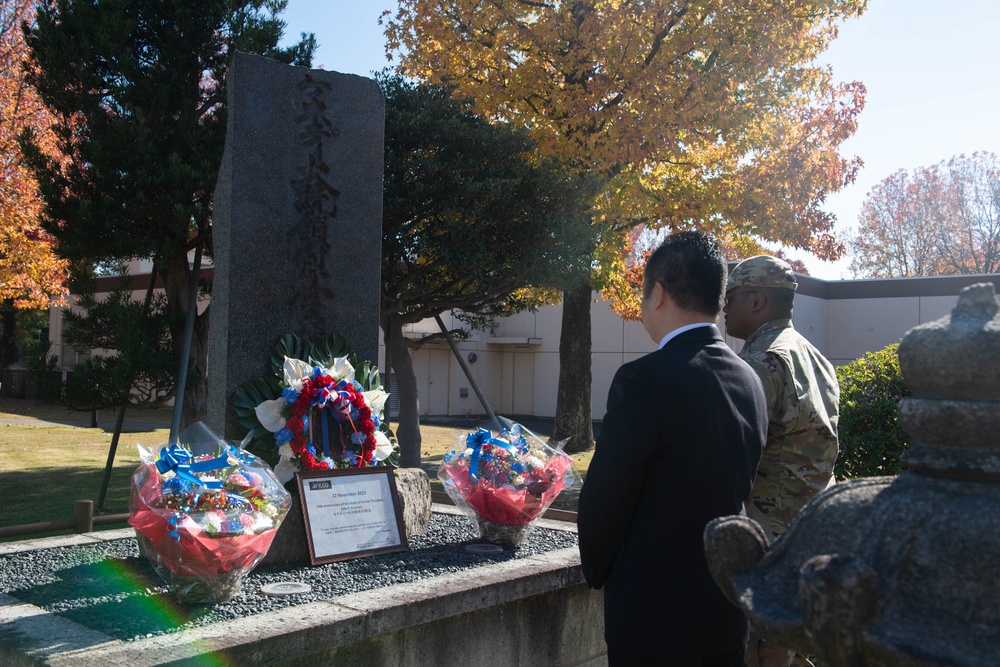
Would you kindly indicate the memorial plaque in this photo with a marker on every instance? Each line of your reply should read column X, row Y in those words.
column 351, row 513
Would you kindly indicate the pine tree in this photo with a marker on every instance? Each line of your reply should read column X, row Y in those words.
column 138, row 88
column 471, row 219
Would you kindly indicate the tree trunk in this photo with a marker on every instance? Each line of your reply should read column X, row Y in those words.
column 408, row 425
column 8, row 349
column 177, row 285
column 195, row 407
column 574, row 413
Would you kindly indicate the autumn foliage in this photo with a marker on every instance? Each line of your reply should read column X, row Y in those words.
column 700, row 114
column 31, row 274
column 937, row 220
column 708, row 114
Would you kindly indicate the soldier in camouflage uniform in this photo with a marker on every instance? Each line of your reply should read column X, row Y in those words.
column 803, row 400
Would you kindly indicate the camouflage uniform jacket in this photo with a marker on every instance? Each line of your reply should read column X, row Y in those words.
column 803, row 400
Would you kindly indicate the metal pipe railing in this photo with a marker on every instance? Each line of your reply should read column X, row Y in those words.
column 83, row 521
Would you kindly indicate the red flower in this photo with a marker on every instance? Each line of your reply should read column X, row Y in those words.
column 307, row 461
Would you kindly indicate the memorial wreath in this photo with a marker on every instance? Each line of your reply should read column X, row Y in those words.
column 321, row 410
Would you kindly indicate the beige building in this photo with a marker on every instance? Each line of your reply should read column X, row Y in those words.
column 517, row 365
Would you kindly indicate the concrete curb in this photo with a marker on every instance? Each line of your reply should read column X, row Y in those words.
column 31, row 636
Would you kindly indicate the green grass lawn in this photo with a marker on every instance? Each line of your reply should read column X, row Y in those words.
column 48, row 460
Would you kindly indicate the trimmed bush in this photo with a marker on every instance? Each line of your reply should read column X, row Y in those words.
column 42, row 372
column 871, row 439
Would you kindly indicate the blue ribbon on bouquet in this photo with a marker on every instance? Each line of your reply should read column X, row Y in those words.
column 476, row 441
column 177, row 459
column 240, row 455
column 172, row 523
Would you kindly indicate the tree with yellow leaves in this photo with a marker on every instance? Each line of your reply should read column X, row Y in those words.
column 707, row 114
column 32, row 276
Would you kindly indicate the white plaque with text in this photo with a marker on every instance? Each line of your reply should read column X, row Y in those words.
column 351, row 513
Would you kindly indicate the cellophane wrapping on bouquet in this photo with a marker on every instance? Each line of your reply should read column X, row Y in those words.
column 205, row 514
column 505, row 479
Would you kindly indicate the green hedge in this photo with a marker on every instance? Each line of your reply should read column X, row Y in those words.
column 871, row 439
column 42, row 371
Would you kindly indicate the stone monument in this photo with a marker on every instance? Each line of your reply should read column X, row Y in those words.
column 297, row 233
column 297, row 220
column 895, row 570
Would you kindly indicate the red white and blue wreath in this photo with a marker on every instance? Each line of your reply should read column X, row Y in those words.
column 324, row 419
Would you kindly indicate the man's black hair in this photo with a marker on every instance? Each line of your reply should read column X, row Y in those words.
column 692, row 270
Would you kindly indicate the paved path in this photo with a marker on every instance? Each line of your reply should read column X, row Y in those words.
column 107, row 425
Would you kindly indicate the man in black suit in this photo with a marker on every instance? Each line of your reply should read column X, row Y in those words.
column 679, row 446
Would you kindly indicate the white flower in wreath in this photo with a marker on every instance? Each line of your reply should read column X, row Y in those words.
column 285, row 470
column 295, row 371
column 376, row 399
column 269, row 414
column 383, row 446
column 341, row 369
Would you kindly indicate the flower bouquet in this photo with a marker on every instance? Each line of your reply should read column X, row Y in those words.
column 205, row 514
column 325, row 412
column 505, row 480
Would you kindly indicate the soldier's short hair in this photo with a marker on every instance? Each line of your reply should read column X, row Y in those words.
column 783, row 299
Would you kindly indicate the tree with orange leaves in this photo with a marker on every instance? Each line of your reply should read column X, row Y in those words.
column 32, row 276
column 939, row 220
column 705, row 114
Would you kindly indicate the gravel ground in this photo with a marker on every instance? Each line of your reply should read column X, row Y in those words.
column 111, row 589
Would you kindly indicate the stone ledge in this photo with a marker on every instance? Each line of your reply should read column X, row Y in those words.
column 29, row 634
column 292, row 633
column 75, row 540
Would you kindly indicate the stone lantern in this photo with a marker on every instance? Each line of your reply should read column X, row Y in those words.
column 895, row 570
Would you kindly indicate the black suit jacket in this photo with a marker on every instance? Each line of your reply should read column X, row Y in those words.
column 679, row 446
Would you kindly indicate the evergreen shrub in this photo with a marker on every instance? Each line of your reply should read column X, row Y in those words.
column 42, row 371
column 871, row 439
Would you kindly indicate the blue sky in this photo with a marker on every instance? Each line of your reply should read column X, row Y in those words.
column 932, row 70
